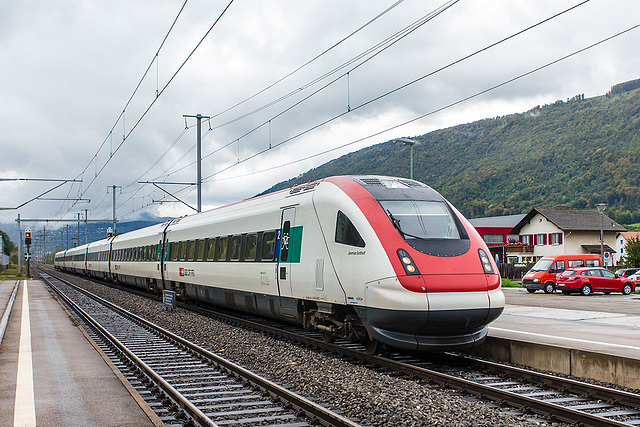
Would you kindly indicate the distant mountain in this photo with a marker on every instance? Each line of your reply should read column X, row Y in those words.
column 64, row 237
column 577, row 152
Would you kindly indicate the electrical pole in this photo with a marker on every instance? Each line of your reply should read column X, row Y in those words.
column 113, row 189
column 199, row 118
column 20, row 250
column 86, row 227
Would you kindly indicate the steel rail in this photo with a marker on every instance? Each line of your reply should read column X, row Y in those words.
column 538, row 406
column 183, row 402
column 323, row 415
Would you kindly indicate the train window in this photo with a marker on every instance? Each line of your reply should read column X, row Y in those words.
column 183, row 251
column 200, row 250
column 221, row 248
column 211, row 250
column 251, row 247
column 416, row 219
column 174, row 247
column 346, row 232
column 234, row 247
column 191, row 250
column 268, row 246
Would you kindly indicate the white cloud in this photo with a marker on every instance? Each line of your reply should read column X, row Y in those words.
column 69, row 67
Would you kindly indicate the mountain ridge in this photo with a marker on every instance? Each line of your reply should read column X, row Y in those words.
column 576, row 153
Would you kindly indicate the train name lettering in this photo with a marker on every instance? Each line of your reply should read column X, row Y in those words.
column 357, row 252
column 186, row 272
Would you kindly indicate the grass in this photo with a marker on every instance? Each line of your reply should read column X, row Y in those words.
column 506, row 283
column 11, row 273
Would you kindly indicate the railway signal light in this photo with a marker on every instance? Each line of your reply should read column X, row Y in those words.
column 27, row 236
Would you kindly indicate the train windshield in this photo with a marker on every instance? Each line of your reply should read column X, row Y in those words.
column 422, row 219
column 428, row 226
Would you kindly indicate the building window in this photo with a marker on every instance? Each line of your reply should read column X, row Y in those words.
column 494, row 238
column 541, row 239
column 526, row 239
column 555, row 238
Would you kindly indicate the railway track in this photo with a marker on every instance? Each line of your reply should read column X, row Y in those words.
column 547, row 395
column 183, row 383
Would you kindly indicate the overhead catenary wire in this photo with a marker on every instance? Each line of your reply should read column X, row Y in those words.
column 318, row 56
column 404, row 86
column 374, row 50
column 159, row 92
column 399, row 125
column 133, row 128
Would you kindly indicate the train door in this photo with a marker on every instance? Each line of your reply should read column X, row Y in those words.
column 289, row 248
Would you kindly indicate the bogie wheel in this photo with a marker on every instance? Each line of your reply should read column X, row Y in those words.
column 626, row 289
column 373, row 347
column 549, row 288
column 328, row 337
column 585, row 290
column 531, row 291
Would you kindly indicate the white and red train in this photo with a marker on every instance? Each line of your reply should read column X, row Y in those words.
column 370, row 258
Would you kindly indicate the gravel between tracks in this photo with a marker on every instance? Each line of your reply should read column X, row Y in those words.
column 372, row 397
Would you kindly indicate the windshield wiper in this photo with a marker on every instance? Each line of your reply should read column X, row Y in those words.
column 396, row 224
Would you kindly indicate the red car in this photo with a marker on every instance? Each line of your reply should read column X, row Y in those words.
column 592, row 279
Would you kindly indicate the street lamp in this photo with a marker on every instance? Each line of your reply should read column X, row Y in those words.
column 410, row 143
column 601, row 207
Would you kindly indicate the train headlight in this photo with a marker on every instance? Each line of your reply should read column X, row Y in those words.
column 486, row 262
column 407, row 263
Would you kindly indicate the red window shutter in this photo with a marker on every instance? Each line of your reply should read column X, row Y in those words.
column 535, row 239
column 560, row 238
column 520, row 238
column 545, row 239
column 550, row 238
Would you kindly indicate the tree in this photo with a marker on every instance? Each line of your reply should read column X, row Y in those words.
column 632, row 256
column 8, row 244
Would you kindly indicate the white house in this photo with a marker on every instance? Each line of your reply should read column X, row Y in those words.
column 561, row 231
column 621, row 243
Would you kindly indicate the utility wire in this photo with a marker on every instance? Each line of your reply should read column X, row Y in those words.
column 477, row 94
column 350, row 109
column 384, row 12
column 125, row 137
column 380, row 47
column 373, row 51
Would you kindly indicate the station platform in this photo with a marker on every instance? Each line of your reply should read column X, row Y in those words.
column 595, row 337
column 51, row 374
column 607, row 324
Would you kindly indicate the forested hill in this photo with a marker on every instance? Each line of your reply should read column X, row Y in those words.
column 578, row 153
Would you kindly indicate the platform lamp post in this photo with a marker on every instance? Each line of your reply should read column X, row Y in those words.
column 410, row 143
column 601, row 207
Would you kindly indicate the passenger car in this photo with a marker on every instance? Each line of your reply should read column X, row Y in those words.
column 592, row 279
column 635, row 277
column 543, row 274
column 626, row 272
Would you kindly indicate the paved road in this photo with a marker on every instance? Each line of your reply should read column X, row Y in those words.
column 613, row 303
column 600, row 323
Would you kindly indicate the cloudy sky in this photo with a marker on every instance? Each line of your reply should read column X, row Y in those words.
column 303, row 78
